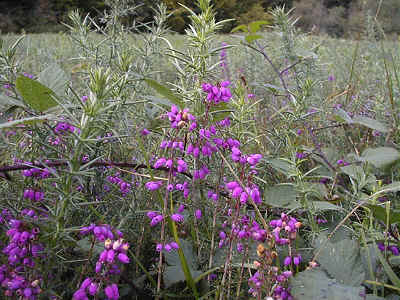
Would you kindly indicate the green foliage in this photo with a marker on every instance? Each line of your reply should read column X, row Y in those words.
column 35, row 95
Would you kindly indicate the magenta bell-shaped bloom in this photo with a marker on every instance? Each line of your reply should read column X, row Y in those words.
column 112, row 292
column 122, row 257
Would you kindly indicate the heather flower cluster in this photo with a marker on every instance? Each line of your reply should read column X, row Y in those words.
column 20, row 275
column 107, row 265
column 392, row 248
column 217, row 94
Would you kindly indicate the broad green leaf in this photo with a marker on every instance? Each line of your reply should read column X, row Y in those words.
column 172, row 257
column 256, row 25
column 394, row 261
column 27, row 121
column 323, row 205
column 174, row 274
column 354, row 171
column 8, row 101
column 379, row 212
column 166, row 92
column 342, row 261
column 315, row 284
column 35, row 95
column 370, row 123
column 55, row 78
column 240, row 28
column 381, row 156
column 281, row 165
column 252, row 37
column 280, row 195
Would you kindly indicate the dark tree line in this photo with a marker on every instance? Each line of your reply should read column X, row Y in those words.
column 334, row 17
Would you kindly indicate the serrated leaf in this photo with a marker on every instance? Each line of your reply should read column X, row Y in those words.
column 35, row 94
column 166, row 92
column 342, row 261
column 379, row 212
column 252, row 37
column 54, row 78
column 240, row 28
column 315, row 284
column 370, row 123
column 381, row 156
column 280, row 195
column 27, row 121
column 256, row 25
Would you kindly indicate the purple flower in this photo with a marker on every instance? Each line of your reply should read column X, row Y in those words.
column 157, row 219
column 174, row 245
column 112, row 292
column 177, row 218
column 145, row 132
column 287, row 261
column 394, row 250
column 122, row 257
column 297, row 259
column 198, row 214
column 159, row 247
column 153, row 185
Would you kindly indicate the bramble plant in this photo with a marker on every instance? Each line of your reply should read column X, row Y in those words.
column 148, row 169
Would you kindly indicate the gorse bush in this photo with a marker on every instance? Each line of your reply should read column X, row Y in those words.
column 149, row 168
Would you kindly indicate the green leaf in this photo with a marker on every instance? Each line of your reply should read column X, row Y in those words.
column 252, row 37
column 281, row 165
column 394, row 261
column 86, row 245
column 256, row 25
column 220, row 111
column 8, row 101
column 392, row 187
column 379, row 212
column 342, row 116
column 240, row 28
column 166, row 92
column 370, row 123
column 55, row 78
column 173, row 259
column 35, row 95
column 381, row 156
column 281, row 195
column 315, row 284
column 373, row 297
column 342, row 261
column 27, row 121
column 174, row 274
column 323, row 205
